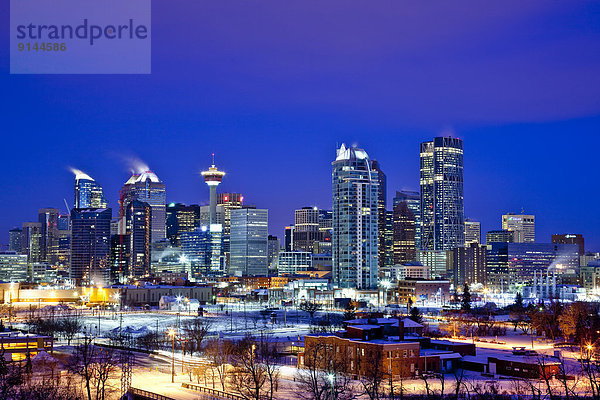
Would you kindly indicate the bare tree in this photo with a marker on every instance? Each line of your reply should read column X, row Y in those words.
column 310, row 307
column 249, row 376
column 372, row 381
column 219, row 354
column 195, row 331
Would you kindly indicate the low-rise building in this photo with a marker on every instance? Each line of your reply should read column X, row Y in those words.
column 16, row 346
column 423, row 290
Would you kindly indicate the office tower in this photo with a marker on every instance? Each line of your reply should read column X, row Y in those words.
column 381, row 207
column 273, row 252
column 292, row 262
column 181, row 218
column 13, row 267
column 203, row 250
column 523, row 227
column 88, row 193
column 404, row 247
column 289, row 238
column 64, row 239
column 472, row 232
column 413, row 202
column 355, row 202
column 249, row 242
column 437, row 261
column 469, row 264
column 48, row 219
column 389, row 239
column 571, row 238
column 147, row 188
column 119, row 259
column 15, row 240
column 138, row 219
column 90, row 245
column 306, row 229
column 499, row 236
column 442, row 207
column 205, row 215
column 518, row 263
column 31, row 238
column 228, row 201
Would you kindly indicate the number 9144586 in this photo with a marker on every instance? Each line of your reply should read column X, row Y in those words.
column 48, row 46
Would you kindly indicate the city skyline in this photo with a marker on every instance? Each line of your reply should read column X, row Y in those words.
column 277, row 226
column 524, row 102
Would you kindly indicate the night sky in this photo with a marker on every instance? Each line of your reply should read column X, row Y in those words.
column 272, row 87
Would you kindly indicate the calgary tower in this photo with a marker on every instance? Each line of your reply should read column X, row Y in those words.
column 213, row 177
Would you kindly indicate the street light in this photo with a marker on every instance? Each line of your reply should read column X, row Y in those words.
column 172, row 334
column 331, row 380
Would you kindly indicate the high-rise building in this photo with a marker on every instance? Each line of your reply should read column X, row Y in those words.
column 203, row 250
column 437, row 261
column 228, row 201
column 571, row 238
column 88, row 193
column 147, row 188
column 470, row 264
column 389, row 239
column 138, row 219
column 48, row 219
column 64, row 239
column 442, row 206
column 273, row 252
column 181, row 218
column 219, row 216
column 413, row 202
column 522, row 226
column 292, row 262
column 355, row 202
column 288, row 238
column 306, row 229
column 249, row 242
column 90, row 245
column 472, row 232
column 517, row 263
column 404, row 233
column 15, row 240
column 31, row 239
column 499, row 236
column 13, row 267
column 381, row 207
column 119, row 259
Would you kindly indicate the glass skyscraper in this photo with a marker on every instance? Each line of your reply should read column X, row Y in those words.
column 146, row 187
column 442, row 207
column 90, row 245
column 355, row 225
column 88, row 193
column 249, row 242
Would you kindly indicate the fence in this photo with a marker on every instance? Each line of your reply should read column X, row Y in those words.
column 136, row 393
column 212, row 393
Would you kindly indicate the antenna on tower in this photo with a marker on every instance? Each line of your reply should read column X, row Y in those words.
column 66, row 205
column 213, row 157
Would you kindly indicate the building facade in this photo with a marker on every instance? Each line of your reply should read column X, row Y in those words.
column 472, row 232
column 249, row 242
column 470, row 264
column 292, row 262
column 522, row 226
column 147, row 188
column 88, row 193
column 90, row 245
column 355, row 226
column 571, row 238
column 442, row 202
column 381, row 208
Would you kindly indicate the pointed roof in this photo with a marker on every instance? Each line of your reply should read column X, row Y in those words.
column 351, row 153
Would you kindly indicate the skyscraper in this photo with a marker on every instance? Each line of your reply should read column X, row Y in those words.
column 138, row 219
column 403, row 233
column 181, row 218
column 48, row 219
column 413, row 202
column 31, row 238
column 469, row 264
column 571, row 238
column 499, row 236
column 522, row 226
column 88, row 193
column 249, row 242
column 229, row 201
column 355, row 207
column 306, row 229
column 90, row 245
column 381, row 207
column 15, row 240
column 147, row 188
column 472, row 232
column 442, row 207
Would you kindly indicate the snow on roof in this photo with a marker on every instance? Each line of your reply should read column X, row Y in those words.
column 148, row 175
column 409, row 323
column 365, row 326
column 350, row 153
